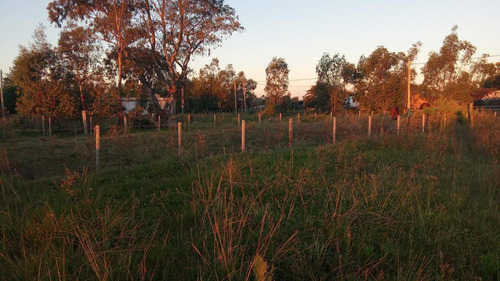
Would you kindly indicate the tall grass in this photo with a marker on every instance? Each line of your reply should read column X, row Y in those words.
column 414, row 207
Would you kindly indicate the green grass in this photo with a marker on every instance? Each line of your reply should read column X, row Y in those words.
column 415, row 207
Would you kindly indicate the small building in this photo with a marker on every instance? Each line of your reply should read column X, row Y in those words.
column 130, row 103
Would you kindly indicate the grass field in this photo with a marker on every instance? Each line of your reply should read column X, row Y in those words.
column 413, row 207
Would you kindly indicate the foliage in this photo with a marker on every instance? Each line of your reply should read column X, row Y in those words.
column 149, row 41
column 78, row 49
column 318, row 96
column 214, row 89
column 261, row 270
column 494, row 82
column 277, row 80
column 111, row 21
column 394, row 208
column 449, row 107
column 42, row 80
column 334, row 74
column 245, row 89
column 453, row 73
column 9, row 95
column 383, row 75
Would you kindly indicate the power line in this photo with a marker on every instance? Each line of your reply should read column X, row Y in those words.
column 474, row 58
column 419, row 63
column 313, row 79
column 293, row 80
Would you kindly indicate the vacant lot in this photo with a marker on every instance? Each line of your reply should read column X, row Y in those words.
column 419, row 206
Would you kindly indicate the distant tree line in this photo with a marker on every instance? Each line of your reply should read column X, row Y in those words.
column 379, row 82
column 109, row 50
column 113, row 49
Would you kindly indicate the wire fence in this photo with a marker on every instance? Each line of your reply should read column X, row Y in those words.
column 32, row 156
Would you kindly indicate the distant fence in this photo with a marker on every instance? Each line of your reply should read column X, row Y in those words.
column 212, row 134
column 495, row 108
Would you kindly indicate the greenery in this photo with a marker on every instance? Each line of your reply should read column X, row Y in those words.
column 417, row 206
column 277, row 81
column 416, row 202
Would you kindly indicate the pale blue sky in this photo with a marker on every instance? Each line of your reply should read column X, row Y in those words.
column 301, row 31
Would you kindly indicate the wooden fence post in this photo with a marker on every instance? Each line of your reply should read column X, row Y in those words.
column 280, row 117
column 159, row 122
column 399, row 125
column 243, row 128
column 215, row 120
column 84, row 120
column 43, row 125
column 189, row 121
column 471, row 115
column 50, row 127
column 428, row 123
column 125, row 122
column 91, row 124
column 315, row 116
column 290, row 132
column 298, row 118
column 423, row 123
column 369, row 125
column 334, row 130
column 179, row 138
column 97, row 145
column 239, row 118
column 260, row 115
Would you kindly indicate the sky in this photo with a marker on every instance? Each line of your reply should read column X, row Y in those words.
column 301, row 31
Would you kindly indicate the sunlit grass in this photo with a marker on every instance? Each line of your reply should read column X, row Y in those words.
column 414, row 207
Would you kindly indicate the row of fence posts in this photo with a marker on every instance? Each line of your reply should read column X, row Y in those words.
column 125, row 121
column 242, row 125
column 88, row 123
column 424, row 117
column 333, row 118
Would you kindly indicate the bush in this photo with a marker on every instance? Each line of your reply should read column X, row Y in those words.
column 270, row 109
column 450, row 107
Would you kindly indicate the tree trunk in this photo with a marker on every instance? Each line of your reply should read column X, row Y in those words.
column 82, row 98
column 182, row 100
column 119, row 98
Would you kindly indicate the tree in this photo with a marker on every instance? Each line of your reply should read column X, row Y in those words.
column 111, row 21
column 493, row 81
column 318, row 96
column 42, row 80
column 78, row 49
column 178, row 30
column 334, row 73
column 245, row 91
column 380, row 87
column 153, row 39
column 276, row 81
column 411, row 74
column 210, row 88
column 213, row 89
column 9, row 95
column 452, row 73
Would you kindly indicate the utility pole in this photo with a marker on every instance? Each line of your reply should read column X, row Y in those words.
column 408, row 105
column 235, row 100
column 1, row 93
